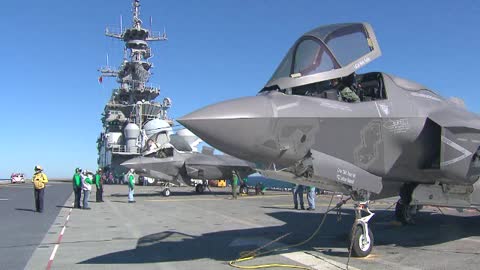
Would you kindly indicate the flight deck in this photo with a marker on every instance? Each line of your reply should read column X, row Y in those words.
column 206, row 231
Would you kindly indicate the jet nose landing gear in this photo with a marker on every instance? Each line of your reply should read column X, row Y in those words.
column 361, row 235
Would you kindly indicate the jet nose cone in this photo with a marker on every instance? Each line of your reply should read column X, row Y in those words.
column 240, row 108
column 233, row 126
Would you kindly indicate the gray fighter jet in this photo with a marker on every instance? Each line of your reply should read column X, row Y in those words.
column 383, row 136
column 175, row 162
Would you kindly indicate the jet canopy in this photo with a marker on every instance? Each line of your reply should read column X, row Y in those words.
column 325, row 53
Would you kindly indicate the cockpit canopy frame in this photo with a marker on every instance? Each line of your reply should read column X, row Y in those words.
column 325, row 53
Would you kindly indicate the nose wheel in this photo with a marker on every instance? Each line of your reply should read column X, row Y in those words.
column 361, row 237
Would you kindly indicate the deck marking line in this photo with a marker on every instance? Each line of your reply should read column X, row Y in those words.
column 59, row 240
column 50, row 261
column 316, row 261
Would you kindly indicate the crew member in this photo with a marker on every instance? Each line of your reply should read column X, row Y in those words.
column 298, row 196
column 131, row 185
column 234, row 184
column 86, row 187
column 77, row 187
column 99, row 185
column 39, row 180
column 346, row 94
column 244, row 186
column 311, row 198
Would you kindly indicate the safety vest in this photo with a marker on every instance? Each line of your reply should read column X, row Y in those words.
column 39, row 180
column 77, row 180
column 131, row 180
column 97, row 180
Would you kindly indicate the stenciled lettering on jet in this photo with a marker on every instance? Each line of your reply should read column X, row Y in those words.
column 397, row 126
column 346, row 176
column 362, row 63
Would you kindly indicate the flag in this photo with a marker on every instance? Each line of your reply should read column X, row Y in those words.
column 100, row 79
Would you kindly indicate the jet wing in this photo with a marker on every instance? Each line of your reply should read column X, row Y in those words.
column 216, row 166
column 217, row 160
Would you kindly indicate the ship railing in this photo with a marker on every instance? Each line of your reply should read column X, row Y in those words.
column 120, row 148
column 135, row 84
column 115, row 32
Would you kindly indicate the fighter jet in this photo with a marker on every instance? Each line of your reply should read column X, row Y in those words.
column 175, row 162
column 383, row 136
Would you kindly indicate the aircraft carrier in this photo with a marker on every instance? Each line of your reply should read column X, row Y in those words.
column 132, row 114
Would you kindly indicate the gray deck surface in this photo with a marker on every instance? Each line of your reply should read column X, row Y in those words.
column 21, row 228
column 190, row 231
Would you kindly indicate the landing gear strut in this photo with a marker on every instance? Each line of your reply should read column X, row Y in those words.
column 404, row 211
column 200, row 188
column 166, row 191
column 361, row 235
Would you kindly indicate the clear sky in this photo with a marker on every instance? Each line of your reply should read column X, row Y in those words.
column 51, row 100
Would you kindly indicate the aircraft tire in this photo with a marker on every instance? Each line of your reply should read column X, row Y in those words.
column 361, row 247
column 243, row 190
column 404, row 213
column 167, row 192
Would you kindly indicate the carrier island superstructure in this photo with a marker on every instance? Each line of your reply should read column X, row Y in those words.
column 132, row 114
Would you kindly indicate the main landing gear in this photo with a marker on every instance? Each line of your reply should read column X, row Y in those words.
column 405, row 212
column 200, row 188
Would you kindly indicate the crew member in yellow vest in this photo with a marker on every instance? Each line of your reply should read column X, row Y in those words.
column 39, row 180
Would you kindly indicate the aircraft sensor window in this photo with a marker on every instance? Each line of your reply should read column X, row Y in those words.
column 312, row 57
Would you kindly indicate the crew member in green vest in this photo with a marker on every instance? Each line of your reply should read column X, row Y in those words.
column 99, row 185
column 234, row 184
column 131, row 185
column 77, row 187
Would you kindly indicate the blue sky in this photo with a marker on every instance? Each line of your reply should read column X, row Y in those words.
column 217, row 49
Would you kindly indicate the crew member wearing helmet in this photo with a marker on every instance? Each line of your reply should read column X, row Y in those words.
column 77, row 187
column 99, row 185
column 39, row 180
column 87, row 188
column 131, row 185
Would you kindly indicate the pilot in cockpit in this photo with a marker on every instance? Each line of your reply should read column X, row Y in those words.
column 346, row 94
